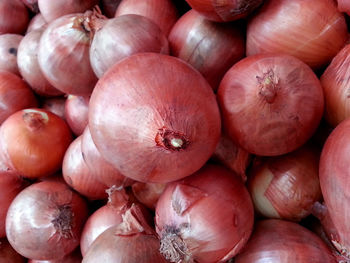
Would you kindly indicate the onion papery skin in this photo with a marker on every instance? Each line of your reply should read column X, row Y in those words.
column 28, row 65
column 299, row 28
column 109, row 7
column 148, row 193
column 15, row 95
column 28, row 138
column 8, row 254
column 210, row 47
column 161, row 12
column 76, row 112
column 98, row 166
column 334, row 174
column 158, row 130
column 64, row 53
column 51, row 215
column 8, row 52
column 32, row 5
column 335, row 83
column 37, row 22
column 74, row 257
column 123, row 36
column 280, row 96
column 279, row 241
column 52, row 10
column 224, row 10
column 77, row 174
column 208, row 215
column 287, row 186
column 55, row 104
column 14, row 17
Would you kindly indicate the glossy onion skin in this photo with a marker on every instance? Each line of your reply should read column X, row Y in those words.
column 210, row 213
column 279, row 241
column 154, row 118
column 334, row 178
column 51, row 215
column 76, row 112
column 286, row 186
column 8, row 52
column 271, row 104
column 161, row 12
column 8, row 254
column 14, row 17
column 123, row 36
column 212, row 48
column 335, row 83
column 64, row 54
column 313, row 31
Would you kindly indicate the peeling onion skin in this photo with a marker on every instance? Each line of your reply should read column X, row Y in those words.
column 8, row 254
column 76, row 112
column 161, row 12
column 208, row 215
column 280, row 96
column 51, row 215
column 287, row 186
column 212, row 48
column 8, row 52
column 14, row 17
column 279, row 241
column 334, row 177
column 313, row 31
column 64, row 53
column 37, row 22
column 158, row 130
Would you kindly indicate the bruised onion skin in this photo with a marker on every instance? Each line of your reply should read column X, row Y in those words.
column 224, row 10
column 37, row 22
column 35, row 141
column 154, row 118
column 28, row 65
column 63, row 55
column 51, row 215
column 161, row 12
column 271, row 104
column 210, row 47
column 279, row 241
column 8, row 52
column 206, row 217
column 76, row 112
column 313, row 31
column 123, row 36
column 334, row 175
column 14, row 17
column 8, row 254
column 287, row 186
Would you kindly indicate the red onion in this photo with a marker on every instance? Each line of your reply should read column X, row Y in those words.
column 286, row 186
column 8, row 52
column 28, row 65
column 109, row 7
column 37, row 22
column 74, row 257
column 271, row 104
column 278, row 241
column 299, row 28
column 161, row 12
column 64, row 52
column 32, row 5
column 52, row 10
column 76, row 112
column 154, row 118
column 206, row 217
column 344, row 6
column 14, row 95
column 8, row 254
column 131, row 241
column 14, row 17
column 224, row 10
column 45, row 221
column 77, row 174
column 99, row 167
column 35, row 141
column 56, row 105
column 148, row 193
column 123, row 36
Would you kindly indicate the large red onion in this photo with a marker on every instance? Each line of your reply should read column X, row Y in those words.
column 271, row 104
column 278, row 241
column 299, row 28
column 14, row 17
column 45, row 221
column 123, row 36
column 206, row 217
column 63, row 55
column 8, row 254
column 37, row 22
column 161, row 12
column 8, row 52
column 76, row 112
column 154, row 118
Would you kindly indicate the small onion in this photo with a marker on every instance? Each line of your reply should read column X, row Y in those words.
column 109, row 7
column 76, row 112
column 32, row 5
column 14, row 17
column 299, row 28
column 148, row 193
column 55, row 104
column 154, row 118
column 8, row 254
column 271, row 104
column 278, row 241
column 8, row 52
column 206, row 217
column 74, row 257
column 45, row 220
column 37, row 22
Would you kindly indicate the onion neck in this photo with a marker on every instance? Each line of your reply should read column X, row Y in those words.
column 171, row 140
column 268, row 84
column 63, row 221
column 35, row 119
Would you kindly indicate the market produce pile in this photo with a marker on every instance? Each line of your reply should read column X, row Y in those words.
column 185, row 131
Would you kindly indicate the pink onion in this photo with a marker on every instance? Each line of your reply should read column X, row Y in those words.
column 8, row 52
column 76, row 112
